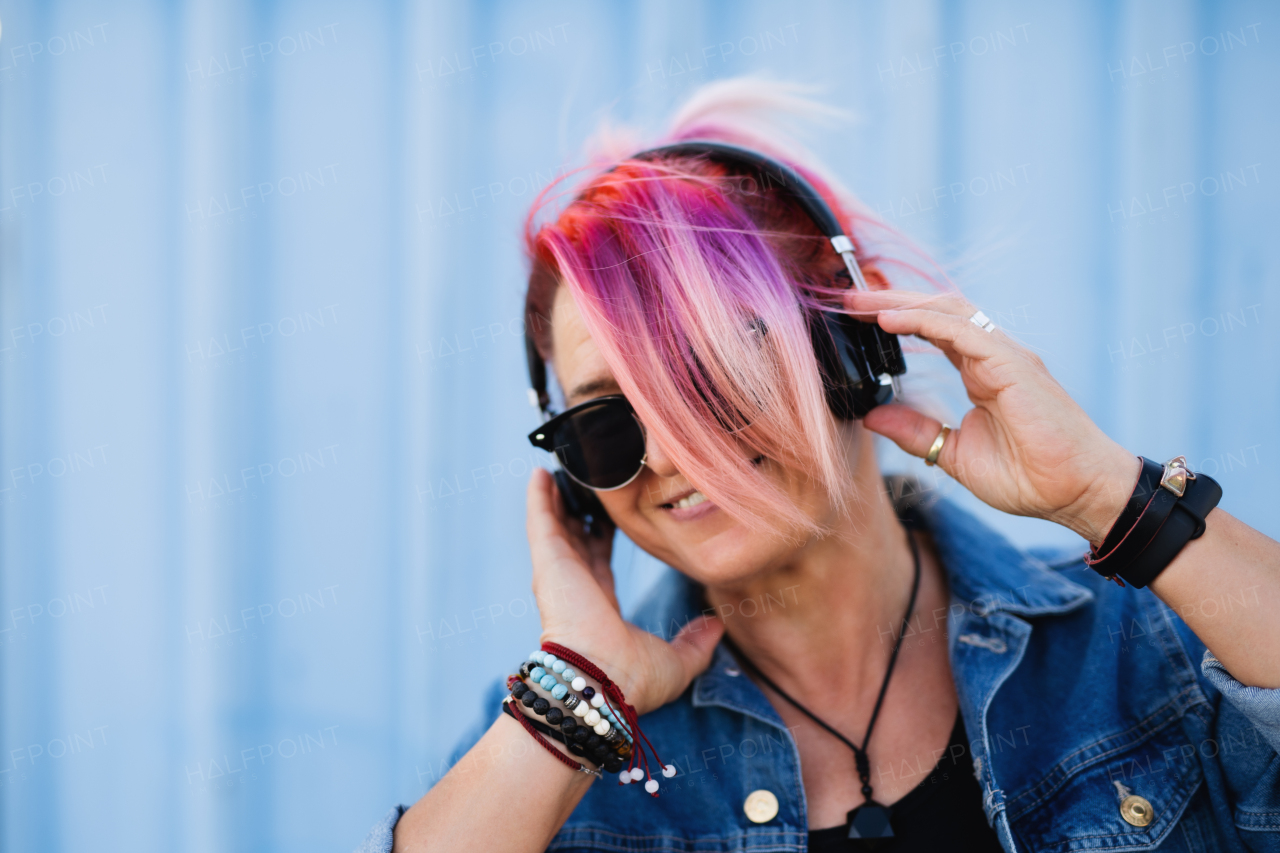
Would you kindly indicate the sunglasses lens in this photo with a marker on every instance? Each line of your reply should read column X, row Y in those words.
column 601, row 446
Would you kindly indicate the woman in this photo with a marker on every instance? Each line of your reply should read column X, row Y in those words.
column 835, row 653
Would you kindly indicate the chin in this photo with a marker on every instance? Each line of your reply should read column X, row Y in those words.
column 731, row 555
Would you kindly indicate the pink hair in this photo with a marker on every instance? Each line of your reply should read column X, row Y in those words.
column 695, row 284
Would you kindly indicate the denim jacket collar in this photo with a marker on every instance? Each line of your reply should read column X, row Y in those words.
column 989, row 573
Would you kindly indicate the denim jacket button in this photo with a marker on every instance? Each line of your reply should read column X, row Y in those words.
column 1136, row 810
column 762, row 806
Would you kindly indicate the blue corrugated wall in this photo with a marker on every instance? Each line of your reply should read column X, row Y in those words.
column 262, row 409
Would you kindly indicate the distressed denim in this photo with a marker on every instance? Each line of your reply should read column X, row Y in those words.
column 1074, row 691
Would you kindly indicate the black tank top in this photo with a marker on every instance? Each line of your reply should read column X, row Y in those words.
column 943, row 812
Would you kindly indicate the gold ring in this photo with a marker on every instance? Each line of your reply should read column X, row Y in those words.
column 931, row 458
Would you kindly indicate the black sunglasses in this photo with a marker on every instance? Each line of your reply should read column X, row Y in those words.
column 600, row 443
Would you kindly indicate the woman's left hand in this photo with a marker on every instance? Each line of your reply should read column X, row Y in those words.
column 1026, row 447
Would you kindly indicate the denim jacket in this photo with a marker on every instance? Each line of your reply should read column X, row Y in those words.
column 1075, row 693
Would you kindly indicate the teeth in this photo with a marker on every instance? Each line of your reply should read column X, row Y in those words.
column 691, row 500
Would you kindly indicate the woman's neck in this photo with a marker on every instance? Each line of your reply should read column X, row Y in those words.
column 824, row 624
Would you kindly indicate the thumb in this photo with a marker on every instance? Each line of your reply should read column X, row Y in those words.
column 695, row 644
column 904, row 426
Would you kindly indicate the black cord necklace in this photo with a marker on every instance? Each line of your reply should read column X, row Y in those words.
column 868, row 822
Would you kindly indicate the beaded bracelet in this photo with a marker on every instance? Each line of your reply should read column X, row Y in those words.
column 614, row 726
column 612, row 750
column 625, row 715
column 600, row 720
column 579, row 738
column 529, row 727
column 544, row 668
column 569, row 738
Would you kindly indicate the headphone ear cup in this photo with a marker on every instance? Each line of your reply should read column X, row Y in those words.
column 883, row 349
column 581, row 503
column 852, row 356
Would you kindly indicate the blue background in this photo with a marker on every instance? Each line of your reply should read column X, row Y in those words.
column 262, row 406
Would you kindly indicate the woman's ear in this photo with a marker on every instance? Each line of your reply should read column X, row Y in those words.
column 875, row 279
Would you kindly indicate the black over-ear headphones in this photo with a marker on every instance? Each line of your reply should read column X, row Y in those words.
column 859, row 362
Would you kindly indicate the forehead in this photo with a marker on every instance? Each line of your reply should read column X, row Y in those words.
column 579, row 365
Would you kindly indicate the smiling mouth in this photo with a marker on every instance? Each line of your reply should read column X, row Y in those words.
column 695, row 497
column 691, row 499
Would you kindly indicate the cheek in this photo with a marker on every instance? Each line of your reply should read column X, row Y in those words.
column 717, row 552
column 623, row 506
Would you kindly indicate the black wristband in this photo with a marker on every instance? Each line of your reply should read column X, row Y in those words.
column 1152, row 513
column 1185, row 523
column 1148, row 482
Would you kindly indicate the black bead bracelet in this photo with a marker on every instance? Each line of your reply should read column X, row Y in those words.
column 575, row 733
column 580, row 740
column 549, row 731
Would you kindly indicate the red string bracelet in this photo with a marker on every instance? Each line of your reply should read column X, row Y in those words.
column 546, row 744
column 1092, row 558
column 618, row 703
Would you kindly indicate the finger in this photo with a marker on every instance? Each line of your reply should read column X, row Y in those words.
column 547, row 516
column 561, row 571
column 695, row 644
column 868, row 310
column 943, row 331
column 545, row 509
column 912, row 431
column 596, row 548
column 948, row 302
column 543, row 516
column 600, row 561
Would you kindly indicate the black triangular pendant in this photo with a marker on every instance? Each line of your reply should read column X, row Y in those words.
column 869, row 823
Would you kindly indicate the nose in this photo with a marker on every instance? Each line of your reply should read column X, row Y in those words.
column 656, row 459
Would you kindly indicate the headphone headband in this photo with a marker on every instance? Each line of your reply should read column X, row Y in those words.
column 779, row 174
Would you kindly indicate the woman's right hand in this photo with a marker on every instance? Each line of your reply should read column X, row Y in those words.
column 573, row 584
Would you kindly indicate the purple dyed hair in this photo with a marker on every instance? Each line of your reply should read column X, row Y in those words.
column 695, row 284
